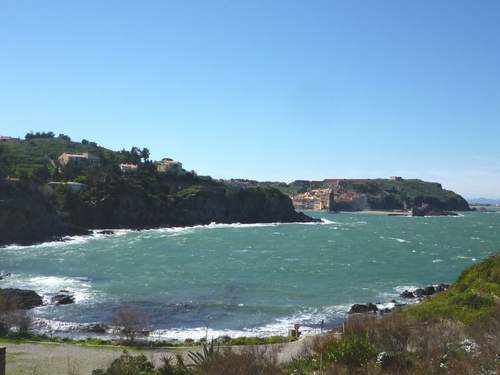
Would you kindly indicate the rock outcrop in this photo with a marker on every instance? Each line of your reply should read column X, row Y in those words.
column 27, row 216
column 424, row 292
column 23, row 299
column 63, row 299
column 358, row 308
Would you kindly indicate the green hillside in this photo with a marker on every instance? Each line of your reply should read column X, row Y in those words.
column 474, row 295
column 22, row 157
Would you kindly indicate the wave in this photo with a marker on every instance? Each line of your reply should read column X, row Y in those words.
column 71, row 240
column 309, row 320
column 401, row 240
column 96, row 233
column 49, row 286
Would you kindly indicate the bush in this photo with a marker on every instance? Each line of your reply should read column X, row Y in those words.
column 249, row 361
column 396, row 363
column 127, row 364
column 129, row 322
column 13, row 319
column 351, row 351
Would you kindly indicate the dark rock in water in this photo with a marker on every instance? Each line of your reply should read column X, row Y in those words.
column 94, row 328
column 407, row 294
column 23, row 298
column 106, row 232
column 358, row 308
column 442, row 287
column 63, row 299
column 429, row 291
column 424, row 292
column 419, row 292
column 429, row 210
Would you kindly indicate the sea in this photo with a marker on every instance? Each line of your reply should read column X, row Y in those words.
column 246, row 279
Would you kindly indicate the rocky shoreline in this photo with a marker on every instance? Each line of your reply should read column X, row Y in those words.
column 26, row 299
column 418, row 295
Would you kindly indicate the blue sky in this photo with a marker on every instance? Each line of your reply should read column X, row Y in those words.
column 269, row 90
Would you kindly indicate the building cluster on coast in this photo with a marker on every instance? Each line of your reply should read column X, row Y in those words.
column 334, row 193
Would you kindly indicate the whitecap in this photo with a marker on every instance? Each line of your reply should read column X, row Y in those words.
column 400, row 240
column 48, row 286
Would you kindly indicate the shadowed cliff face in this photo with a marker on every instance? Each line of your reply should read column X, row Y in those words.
column 27, row 215
column 203, row 205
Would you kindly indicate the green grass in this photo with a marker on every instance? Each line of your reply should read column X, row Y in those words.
column 141, row 345
column 473, row 296
column 261, row 340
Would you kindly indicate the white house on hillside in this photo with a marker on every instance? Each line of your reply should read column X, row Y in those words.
column 169, row 166
column 85, row 158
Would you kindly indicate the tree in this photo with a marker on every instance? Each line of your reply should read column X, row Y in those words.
column 41, row 174
column 32, row 135
column 4, row 163
column 145, row 154
column 129, row 323
column 64, row 137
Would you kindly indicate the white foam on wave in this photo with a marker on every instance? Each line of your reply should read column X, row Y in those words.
column 48, row 286
column 214, row 225
column 309, row 324
column 400, row 240
column 401, row 288
column 172, row 231
column 326, row 221
column 71, row 240
column 388, row 305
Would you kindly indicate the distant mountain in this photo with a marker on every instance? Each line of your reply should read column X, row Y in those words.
column 483, row 201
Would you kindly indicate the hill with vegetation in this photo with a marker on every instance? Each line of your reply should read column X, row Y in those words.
column 40, row 197
column 374, row 194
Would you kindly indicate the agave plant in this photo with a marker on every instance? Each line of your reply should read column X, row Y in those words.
column 208, row 354
column 169, row 367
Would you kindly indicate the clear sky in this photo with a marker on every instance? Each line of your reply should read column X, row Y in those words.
column 269, row 90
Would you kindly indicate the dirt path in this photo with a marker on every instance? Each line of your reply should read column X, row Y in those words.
column 67, row 359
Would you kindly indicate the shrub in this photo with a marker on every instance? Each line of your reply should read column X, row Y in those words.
column 351, row 351
column 303, row 366
column 129, row 322
column 249, row 361
column 127, row 364
column 396, row 363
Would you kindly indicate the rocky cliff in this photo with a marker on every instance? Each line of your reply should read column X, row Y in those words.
column 31, row 214
column 134, row 208
column 27, row 216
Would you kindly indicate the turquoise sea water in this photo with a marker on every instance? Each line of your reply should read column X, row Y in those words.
column 249, row 279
